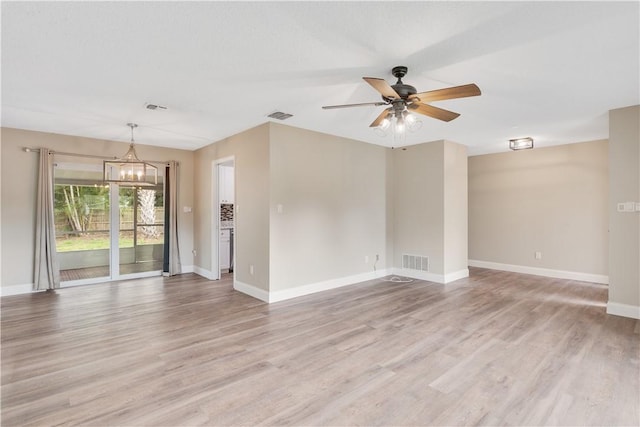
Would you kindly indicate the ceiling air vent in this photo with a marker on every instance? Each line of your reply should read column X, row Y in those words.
column 155, row 107
column 280, row 115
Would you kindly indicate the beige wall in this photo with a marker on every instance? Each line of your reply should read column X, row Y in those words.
column 455, row 181
column 624, row 240
column 343, row 200
column 430, row 206
column 331, row 204
column 331, row 191
column 390, row 208
column 251, row 151
column 19, row 173
column 552, row 200
column 333, row 198
column 418, row 194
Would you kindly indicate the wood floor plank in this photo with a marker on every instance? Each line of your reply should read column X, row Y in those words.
column 496, row 348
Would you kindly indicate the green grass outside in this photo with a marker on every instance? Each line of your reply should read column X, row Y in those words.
column 88, row 243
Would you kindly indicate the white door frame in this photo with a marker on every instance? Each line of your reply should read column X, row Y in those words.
column 215, row 214
column 114, row 231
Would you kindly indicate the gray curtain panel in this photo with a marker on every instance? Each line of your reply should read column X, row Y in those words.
column 175, row 267
column 46, row 274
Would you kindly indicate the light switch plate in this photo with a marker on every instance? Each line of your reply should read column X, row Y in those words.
column 627, row 207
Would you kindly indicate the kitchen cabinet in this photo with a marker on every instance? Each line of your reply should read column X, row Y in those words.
column 225, row 249
column 226, row 177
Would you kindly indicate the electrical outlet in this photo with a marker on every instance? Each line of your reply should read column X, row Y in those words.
column 538, row 255
column 194, row 252
column 251, row 269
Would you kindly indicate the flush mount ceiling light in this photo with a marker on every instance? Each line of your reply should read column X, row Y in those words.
column 129, row 170
column 521, row 143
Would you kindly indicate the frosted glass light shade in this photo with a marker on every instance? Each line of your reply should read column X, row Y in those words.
column 521, row 143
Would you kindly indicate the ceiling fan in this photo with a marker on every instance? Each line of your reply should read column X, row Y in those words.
column 404, row 99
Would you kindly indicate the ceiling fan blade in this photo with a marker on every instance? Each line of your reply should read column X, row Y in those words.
column 382, row 86
column 329, row 107
column 448, row 93
column 431, row 111
column 380, row 118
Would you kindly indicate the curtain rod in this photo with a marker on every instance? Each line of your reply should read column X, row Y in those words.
column 89, row 156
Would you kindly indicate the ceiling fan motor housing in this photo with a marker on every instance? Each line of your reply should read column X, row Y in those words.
column 401, row 89
column 399, row 72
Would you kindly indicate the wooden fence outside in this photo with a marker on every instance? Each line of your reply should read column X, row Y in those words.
column 100, row 220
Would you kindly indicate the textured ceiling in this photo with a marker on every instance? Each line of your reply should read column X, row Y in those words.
column 550, row 70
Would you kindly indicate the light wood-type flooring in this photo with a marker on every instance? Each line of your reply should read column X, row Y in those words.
column 494, row 349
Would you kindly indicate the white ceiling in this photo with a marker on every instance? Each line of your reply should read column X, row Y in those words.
column 550, row 70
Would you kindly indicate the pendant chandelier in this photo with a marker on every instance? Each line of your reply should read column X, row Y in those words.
column 129, row 170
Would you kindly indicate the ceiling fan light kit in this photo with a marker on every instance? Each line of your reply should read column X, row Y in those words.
column 399, row 123
column 404, row 101
column 129, row 170
column 521, row 143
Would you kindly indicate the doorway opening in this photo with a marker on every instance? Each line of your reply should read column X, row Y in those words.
column 224, row 221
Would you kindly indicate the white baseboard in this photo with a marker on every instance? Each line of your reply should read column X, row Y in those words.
column 432, row 277
column 184, row 269
column 546, row 272
column 456, row 275
column 204, row 273
column 312, row 288
column 624, row 310
column 251, row 290
column 6, row 291
column 419, row 275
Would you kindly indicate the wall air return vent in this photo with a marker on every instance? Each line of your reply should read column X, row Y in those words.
column 415, row 262
column 280, row 115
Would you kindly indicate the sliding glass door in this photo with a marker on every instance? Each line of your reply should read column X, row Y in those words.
column 93, row 219
column 141, row 235
column 82, row 216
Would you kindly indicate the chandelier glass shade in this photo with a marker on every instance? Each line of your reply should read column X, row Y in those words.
column 129, row 170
